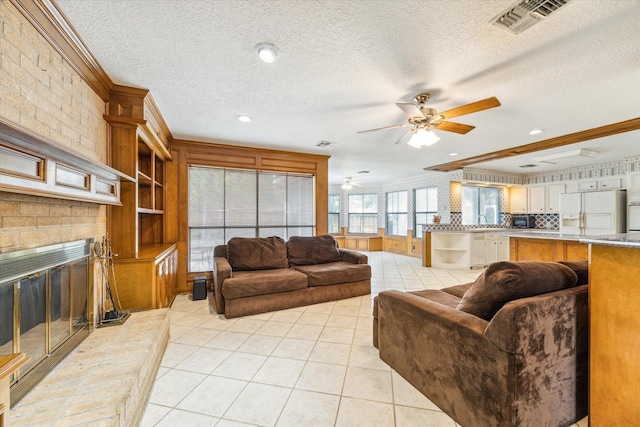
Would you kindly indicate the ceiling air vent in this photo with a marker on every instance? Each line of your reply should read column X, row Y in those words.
column 525, row 14
column 323, row 143
column 528, row 166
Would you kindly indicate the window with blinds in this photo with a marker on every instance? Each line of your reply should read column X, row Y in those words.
column 226, row 203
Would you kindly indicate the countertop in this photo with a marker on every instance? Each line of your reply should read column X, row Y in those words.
column 628, row 240
column 542, row 234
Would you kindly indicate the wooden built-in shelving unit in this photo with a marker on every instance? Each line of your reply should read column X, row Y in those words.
column 147, row 259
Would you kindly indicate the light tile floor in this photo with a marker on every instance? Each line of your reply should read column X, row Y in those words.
column 307, row 366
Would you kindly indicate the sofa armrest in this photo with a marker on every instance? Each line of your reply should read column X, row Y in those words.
column 353, row 257
column 221, row 272
column 521, row 323
column 444, row 353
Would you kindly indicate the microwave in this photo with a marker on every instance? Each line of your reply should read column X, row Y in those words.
column 523, row 221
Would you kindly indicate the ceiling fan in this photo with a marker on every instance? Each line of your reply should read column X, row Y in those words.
column 348, row 183
column 423, row 119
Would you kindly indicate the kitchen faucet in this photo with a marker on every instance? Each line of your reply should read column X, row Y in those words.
column 485, row 219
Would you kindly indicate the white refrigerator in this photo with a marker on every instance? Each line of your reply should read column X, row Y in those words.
column 593, row 213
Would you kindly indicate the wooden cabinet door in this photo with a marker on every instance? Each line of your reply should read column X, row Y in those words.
column 553, row 197
column 478, row 249
column 362, row 244
column 633, row 182
column 537, row 199
column 518, row 199
column 503, row 249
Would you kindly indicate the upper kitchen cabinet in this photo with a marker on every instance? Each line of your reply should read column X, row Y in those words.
column 545, row 198
column 537, row 199
column 633, row 182
column 518, row 197
column 553, row 193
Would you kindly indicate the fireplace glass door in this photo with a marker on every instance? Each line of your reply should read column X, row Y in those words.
column 43, row 303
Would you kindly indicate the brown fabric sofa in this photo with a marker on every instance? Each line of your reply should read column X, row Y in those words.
column 526, row 365
column 256, row 275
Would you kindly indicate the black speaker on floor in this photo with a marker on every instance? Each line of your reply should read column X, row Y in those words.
column 199, row 288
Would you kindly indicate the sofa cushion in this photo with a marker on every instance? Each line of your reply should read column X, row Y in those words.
column 581, row 268
column 261, row 282
column 261, row 253
column 506, row 281
column 312, row 250
column 458, row 290
column 335, row 272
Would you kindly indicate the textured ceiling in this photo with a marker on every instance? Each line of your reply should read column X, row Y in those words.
column 344, row 64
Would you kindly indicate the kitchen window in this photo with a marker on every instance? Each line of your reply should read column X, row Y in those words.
column 426, row 205
column 363, row 213
column 480, row 205
column 334, row 214
column 397, row 213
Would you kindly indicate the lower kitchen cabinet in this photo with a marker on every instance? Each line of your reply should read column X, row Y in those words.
column 149, row 280
column 496, row 248
column 467, row 250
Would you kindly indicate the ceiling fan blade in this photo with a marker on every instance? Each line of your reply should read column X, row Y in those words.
column 411, row 110
column 405, row 136
column 453, row 127
column 474, row 107
column 384, row 128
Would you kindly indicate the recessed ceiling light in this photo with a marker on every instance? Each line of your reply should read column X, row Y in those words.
column 244, row 119
column 453, row 154
column 536, row 131
column 267, row 52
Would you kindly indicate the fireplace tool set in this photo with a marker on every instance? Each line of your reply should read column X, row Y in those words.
column 110, row 312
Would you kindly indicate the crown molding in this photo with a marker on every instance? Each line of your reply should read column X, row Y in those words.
column 54, row 26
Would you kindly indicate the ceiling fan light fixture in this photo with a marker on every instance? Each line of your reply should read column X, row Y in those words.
column 346, row 186
column 423, row 138
column 267, row 52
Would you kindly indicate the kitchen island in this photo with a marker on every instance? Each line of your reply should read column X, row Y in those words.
column 546, row 245
column 614, row 329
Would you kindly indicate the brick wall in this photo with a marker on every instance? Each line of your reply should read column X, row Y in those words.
column 40, row 90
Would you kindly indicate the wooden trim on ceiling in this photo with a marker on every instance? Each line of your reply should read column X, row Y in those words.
column 559, row 141
column 54, row 26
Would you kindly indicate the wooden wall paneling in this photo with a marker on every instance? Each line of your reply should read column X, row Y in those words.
column 572, row 250
column 181, row 167
column 614, row 322
column 186, row 153
column 322, row 196
column 523, row 249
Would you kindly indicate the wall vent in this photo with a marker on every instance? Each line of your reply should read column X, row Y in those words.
column 526, row 13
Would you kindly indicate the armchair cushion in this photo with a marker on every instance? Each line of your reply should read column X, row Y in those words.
column 261, row 253
column 312, row 250
column 581, row 268
column 506, row 281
